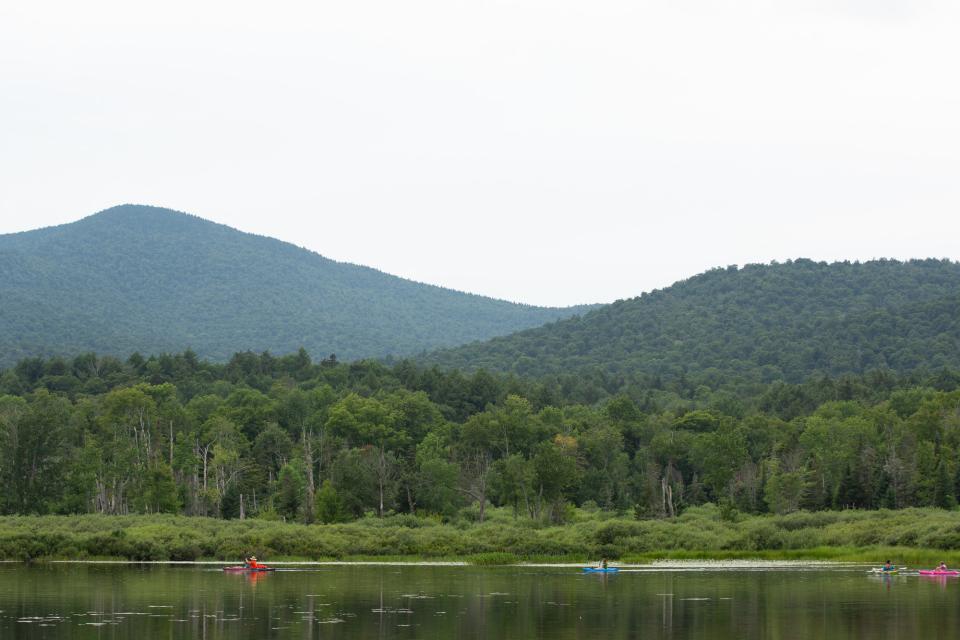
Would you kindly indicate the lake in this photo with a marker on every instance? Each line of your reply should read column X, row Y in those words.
column 362, row 601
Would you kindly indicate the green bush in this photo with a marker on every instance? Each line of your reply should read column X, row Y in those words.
column 699, row 532
column 759, row 536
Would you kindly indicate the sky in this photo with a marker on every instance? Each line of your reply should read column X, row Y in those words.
column 549, row 152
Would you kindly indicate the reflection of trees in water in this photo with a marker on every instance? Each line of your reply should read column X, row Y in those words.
column 667, row 599
column 471, row 602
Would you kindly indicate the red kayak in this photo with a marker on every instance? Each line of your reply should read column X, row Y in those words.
column 243, row 569
column 937, row 572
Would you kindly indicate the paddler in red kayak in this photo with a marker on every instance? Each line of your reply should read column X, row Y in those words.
column 251, row 563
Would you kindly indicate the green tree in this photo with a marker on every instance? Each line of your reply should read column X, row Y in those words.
column 34, row 450
column 354, row 482
column 272, row 449
column 719, row 455
column 513, row 481
column 159, row 492
column 556, row 472
column 12, row 410
column 436, row 481
column 943, row 495
column 606, row 467
column 784, row 488
column 475, row 454
column 290, row 491
column 329, row 508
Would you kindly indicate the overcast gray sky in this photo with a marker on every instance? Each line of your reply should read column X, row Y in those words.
column 550, row 152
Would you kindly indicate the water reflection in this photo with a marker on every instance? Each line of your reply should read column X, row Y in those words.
column 364, row 602
column 940, row 581
column 667, row 612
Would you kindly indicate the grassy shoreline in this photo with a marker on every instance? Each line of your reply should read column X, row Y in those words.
column 901, row 556
column 915, row 537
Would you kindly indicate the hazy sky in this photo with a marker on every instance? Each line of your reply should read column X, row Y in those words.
column 549, row 152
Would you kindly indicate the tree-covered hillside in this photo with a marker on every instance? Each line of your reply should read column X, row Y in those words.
column 137, row 278
column 755, row 324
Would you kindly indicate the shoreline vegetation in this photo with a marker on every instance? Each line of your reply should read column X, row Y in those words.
column 289, row 440
column 915, row 537
column 171, row 458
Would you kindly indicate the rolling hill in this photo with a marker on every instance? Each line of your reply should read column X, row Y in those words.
column 757, row 323
column 137, row 278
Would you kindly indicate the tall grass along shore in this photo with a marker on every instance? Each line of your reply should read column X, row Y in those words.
column 914, row 536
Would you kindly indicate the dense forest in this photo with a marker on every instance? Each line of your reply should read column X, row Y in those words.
column 107, row 282
column 741, row 327
column 288, row 438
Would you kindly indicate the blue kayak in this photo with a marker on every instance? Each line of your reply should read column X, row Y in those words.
column 599, row 570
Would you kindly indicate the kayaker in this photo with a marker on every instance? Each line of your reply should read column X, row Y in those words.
column 888, row 567
column 252, row 563
column 603, row 564
column 942, row 567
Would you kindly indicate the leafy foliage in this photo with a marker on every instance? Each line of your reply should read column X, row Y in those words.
column 283, row 438
column 918, row 537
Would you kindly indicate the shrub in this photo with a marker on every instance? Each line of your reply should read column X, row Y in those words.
column 759, row 536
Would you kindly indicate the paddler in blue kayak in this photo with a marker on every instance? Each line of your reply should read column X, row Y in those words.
column 602, row 564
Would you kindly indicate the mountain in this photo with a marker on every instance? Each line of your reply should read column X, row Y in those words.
column 137, row 278
column 758, row 323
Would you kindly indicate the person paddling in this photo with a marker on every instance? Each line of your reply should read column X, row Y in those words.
column 252, row 563
column 888, row 567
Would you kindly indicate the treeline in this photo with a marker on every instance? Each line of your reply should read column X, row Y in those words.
column 287, row 438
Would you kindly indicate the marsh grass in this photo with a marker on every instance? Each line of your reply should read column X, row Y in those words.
column 910, row 536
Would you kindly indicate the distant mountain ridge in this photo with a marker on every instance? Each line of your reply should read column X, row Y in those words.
column 138, row 278
column 755, row 324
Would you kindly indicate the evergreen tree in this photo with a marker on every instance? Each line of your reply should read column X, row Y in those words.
column 943, row 491
column 329, row 508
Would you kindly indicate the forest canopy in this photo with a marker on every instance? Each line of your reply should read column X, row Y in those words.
column 290, row 438
column 750, row 325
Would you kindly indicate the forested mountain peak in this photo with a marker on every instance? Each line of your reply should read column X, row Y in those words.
column 138, row 278
column 137, row 219
column 757, row 323
column 142, row 215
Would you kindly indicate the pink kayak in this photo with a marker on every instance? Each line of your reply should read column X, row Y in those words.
column 937, row 572
column 242, row 569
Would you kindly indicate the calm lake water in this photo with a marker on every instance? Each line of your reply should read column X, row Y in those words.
column 143, row 602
